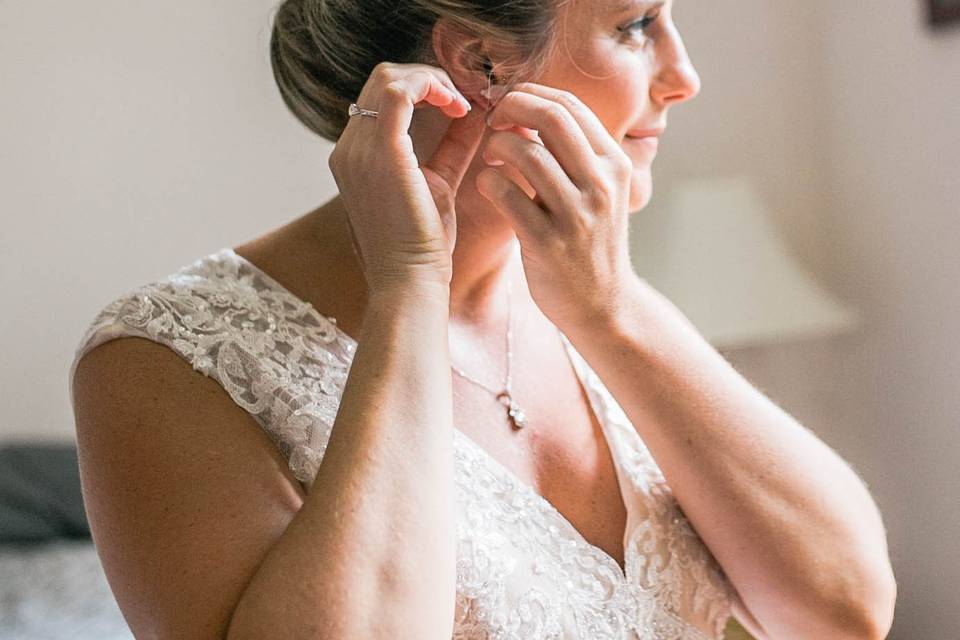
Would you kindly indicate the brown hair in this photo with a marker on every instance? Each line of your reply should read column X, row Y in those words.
column 323, row 51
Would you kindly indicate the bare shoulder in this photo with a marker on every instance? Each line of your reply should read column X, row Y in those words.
column 184, row 491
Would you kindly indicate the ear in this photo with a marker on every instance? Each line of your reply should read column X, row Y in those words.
column 463, row 56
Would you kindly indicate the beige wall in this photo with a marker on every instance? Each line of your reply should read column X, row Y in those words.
column 894, row 198
column 135, row 137
column 848, row 117
column 139, row 136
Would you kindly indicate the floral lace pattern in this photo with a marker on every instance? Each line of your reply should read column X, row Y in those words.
column 523, row 571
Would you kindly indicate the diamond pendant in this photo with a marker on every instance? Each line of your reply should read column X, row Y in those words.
column 515, row 413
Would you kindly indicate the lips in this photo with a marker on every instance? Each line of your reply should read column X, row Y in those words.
column 647, row 142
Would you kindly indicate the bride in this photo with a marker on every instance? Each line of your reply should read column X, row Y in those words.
column 443, row 404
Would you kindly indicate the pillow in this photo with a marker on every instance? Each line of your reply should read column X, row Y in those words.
column 40, row 497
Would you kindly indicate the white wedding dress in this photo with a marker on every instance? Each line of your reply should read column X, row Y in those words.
column 523, row 571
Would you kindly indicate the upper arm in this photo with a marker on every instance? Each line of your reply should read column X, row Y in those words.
column 184, row 491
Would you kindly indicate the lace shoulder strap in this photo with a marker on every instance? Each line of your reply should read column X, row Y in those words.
column 277, row 357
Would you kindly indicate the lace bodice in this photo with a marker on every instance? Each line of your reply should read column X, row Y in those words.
column 523, row 571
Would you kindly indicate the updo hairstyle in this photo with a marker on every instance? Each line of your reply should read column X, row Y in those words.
column 323, row 51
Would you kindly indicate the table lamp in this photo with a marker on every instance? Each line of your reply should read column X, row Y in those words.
column 713, row 251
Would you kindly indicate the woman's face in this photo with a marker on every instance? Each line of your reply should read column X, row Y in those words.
column 626, row 61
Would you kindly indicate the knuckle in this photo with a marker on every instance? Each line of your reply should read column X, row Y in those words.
column 443, row 76
column 568, row 99
column 595, row 197
column 393, row 91
column 556, row 114
column 622, row 164
column 383, row 70
column 587, row 196
column 430, row 78
column 508, row 99
column 535, row 154
column 586, row 222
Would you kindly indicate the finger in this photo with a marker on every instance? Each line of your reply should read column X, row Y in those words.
column 538, row 166
column 592, row 127
column 557, row 127
column 439, row 72
column 528, row 219
column 456, row 150
column 398, row 97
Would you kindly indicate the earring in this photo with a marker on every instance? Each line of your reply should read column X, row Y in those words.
column 486, row 93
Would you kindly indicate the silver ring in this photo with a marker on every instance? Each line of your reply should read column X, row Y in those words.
column 355, row 110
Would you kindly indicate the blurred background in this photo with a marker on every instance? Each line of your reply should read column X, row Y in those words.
column 824, row 149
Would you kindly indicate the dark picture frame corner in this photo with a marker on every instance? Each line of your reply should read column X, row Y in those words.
column 943, row 13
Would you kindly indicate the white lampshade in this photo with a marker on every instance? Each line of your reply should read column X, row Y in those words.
column 715, row 254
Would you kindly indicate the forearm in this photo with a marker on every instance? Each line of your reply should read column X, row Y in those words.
column 371, row 552
column 792, row 525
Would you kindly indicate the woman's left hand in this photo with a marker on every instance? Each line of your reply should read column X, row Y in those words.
column 573, row 234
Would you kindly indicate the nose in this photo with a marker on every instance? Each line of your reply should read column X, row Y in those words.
column 676, row 80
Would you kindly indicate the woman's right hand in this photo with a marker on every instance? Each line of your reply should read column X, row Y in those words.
column 401, row 215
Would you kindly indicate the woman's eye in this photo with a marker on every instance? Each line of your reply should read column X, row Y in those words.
column 639, row 25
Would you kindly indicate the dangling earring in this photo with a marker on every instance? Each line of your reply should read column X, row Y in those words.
column 486, row 92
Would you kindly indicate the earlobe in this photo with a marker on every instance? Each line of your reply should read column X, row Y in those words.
column 457, row 53
column 492, row 94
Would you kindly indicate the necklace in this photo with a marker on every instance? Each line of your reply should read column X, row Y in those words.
column 514, row 412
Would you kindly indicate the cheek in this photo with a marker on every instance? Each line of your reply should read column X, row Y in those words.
column 614, row 78
column 610, row 77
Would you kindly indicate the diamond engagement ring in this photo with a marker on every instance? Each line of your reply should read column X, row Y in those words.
column 355, row 110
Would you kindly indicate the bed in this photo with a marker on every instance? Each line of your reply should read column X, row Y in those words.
column 51, row 583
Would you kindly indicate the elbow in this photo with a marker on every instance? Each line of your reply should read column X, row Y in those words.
column 864, row 611
column 870, row 616
column 879, row 612
column 868, row 589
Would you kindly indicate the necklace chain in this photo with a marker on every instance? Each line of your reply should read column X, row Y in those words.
column 514, row 413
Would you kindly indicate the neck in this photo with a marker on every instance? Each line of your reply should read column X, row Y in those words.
column 485, row 258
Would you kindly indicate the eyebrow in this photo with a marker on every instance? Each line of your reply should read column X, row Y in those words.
column 625, row 5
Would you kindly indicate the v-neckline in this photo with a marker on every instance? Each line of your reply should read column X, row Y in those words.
column 521, row 485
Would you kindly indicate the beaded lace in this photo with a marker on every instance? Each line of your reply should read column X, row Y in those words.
column 524, row 572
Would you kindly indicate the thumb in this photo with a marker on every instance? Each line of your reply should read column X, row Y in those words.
column 445, row 201
column 453, row 155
